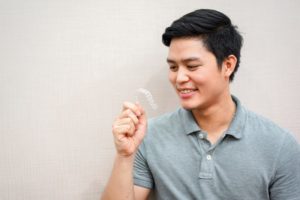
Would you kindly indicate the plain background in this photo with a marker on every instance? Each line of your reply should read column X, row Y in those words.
column 67, row 66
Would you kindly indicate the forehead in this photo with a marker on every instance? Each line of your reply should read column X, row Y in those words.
column 184, row 48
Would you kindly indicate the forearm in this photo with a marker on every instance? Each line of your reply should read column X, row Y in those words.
column 120, row 184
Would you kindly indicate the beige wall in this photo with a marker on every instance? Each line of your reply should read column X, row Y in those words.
column 66, row 66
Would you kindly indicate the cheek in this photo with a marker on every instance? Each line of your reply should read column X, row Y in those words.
column 206, row 77
column 199, row 79
column 172, row 77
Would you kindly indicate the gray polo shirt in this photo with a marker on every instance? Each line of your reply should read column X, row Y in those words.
column 253, row 160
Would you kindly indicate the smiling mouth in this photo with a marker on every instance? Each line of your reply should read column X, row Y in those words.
column 186, row 91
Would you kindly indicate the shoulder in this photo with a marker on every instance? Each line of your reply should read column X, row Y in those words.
column 265, row 126
column 268, row 135
column 277, row 151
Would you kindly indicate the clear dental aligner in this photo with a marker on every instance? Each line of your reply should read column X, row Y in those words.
column 148, row 96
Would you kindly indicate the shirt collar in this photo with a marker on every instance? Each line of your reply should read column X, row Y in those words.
column 188, row 121
column 239, row 120
column 235, row 129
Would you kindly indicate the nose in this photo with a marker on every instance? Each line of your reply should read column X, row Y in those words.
column 182, row 75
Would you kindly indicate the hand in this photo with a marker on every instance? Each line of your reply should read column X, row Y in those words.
column 129, row 129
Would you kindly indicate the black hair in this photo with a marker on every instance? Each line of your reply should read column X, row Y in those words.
column 214, row 28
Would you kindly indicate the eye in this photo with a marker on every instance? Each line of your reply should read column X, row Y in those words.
column 173, row 68
column 193, row 67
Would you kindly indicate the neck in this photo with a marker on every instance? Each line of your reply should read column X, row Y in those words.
column 216, row 118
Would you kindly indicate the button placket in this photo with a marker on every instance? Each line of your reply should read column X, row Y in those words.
column 206, row 169
column 206, row 164
column 201, row 135
column 208, row 157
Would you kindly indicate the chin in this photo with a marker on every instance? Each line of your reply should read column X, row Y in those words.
column 189, row 106
column 193, row 104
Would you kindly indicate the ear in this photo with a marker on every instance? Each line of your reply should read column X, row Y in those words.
column 228, row 65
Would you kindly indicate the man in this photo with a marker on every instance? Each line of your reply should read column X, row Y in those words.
column 211, row 148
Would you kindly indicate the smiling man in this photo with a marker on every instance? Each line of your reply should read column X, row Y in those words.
column 211, row 147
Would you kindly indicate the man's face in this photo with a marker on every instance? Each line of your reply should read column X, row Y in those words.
column 195, row 75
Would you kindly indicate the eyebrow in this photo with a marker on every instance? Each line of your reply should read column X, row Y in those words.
column 184, row 60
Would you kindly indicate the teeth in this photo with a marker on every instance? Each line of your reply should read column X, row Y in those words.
column 186, row 91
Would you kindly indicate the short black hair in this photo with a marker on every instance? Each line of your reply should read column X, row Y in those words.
column 214, row 28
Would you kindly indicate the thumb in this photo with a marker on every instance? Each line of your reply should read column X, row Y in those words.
column 141, row 127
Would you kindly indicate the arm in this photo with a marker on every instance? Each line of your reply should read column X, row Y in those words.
column 286, row 181
column 120, row 185
column 129, row 130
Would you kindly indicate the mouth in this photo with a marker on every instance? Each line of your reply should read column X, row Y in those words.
column 186, row 93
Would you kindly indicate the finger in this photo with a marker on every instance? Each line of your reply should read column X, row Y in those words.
column 124, row 127
column 133, row 107
column 143, row 117
column 141, row 109
column 123, row 131
column 123, row 121
column 141, row 128
column 129, row 114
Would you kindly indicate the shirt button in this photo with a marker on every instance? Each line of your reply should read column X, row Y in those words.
column 208, row 157
column 201, row 136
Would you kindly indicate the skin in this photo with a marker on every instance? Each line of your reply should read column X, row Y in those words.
column 128, row 129
column 201, row 85
column 202, row 88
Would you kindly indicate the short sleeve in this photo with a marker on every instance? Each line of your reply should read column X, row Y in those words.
column 285, row 184
column 141, row 173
